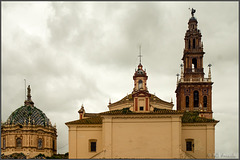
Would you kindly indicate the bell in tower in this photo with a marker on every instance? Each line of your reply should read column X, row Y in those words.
column 194, row 92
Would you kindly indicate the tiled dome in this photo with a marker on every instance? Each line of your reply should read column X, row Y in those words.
column 28, row 115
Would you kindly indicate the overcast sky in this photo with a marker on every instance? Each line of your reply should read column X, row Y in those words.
column 74, row 53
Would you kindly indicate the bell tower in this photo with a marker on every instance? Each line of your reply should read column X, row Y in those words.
column 194, row 92
column 140, row 91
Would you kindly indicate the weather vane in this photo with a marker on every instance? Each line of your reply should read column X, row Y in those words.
column 192, row 11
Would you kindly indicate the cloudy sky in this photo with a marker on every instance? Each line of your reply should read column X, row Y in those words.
column 74, row 53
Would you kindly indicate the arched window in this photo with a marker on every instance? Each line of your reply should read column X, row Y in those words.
column 195, row 98
column 205, row 101
column 19, row 142
column 189, row 44
column 140, row 84
column 187, row 101
column 4, row 143
column 53, row 143
column 193, row 43
column 194, row 63
column 40, row 143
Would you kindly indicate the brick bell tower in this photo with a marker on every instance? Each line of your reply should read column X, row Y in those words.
column 194, row 92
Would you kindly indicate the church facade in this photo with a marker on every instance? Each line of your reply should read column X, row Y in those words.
column 28, row 131
column 141, row 125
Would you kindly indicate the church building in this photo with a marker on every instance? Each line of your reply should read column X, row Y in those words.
column 28, row 131
column 141, row 125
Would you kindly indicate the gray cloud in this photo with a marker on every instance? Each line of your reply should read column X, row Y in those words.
column 86, row 52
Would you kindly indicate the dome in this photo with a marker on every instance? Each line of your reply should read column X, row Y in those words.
column 192, row 19
column 28, row 114
column 140, row 72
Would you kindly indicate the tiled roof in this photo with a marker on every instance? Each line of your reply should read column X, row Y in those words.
column 129, row 97
column 188, row 117
column 126, row 111
column 25, row 113
column 193, row 117
column 91, row 120
column 123, row 100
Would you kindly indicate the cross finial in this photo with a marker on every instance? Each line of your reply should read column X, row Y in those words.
column 140, row 56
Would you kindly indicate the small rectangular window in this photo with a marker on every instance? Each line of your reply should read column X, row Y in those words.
column 93, row 146
column 189, row 145
column 141, row 108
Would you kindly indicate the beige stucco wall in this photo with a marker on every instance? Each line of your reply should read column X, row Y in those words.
column 79, row 136
column 142, row 136
column 204, row 139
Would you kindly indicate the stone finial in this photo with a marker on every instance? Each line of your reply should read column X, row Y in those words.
column 209, row 72
column 181, row 72
column 177, row 77
column 171, row 100
column 81, row 112
column 109, row 101
column 82, row 109
column 127, row 97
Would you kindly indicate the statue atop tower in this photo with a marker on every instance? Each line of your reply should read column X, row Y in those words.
column 192, row 12
column 29, row 101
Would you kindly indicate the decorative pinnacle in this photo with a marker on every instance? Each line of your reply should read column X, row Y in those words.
column 209, row 72
column 181, row 71
column 82, row 109
column 177, row 77
column 110, row 101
